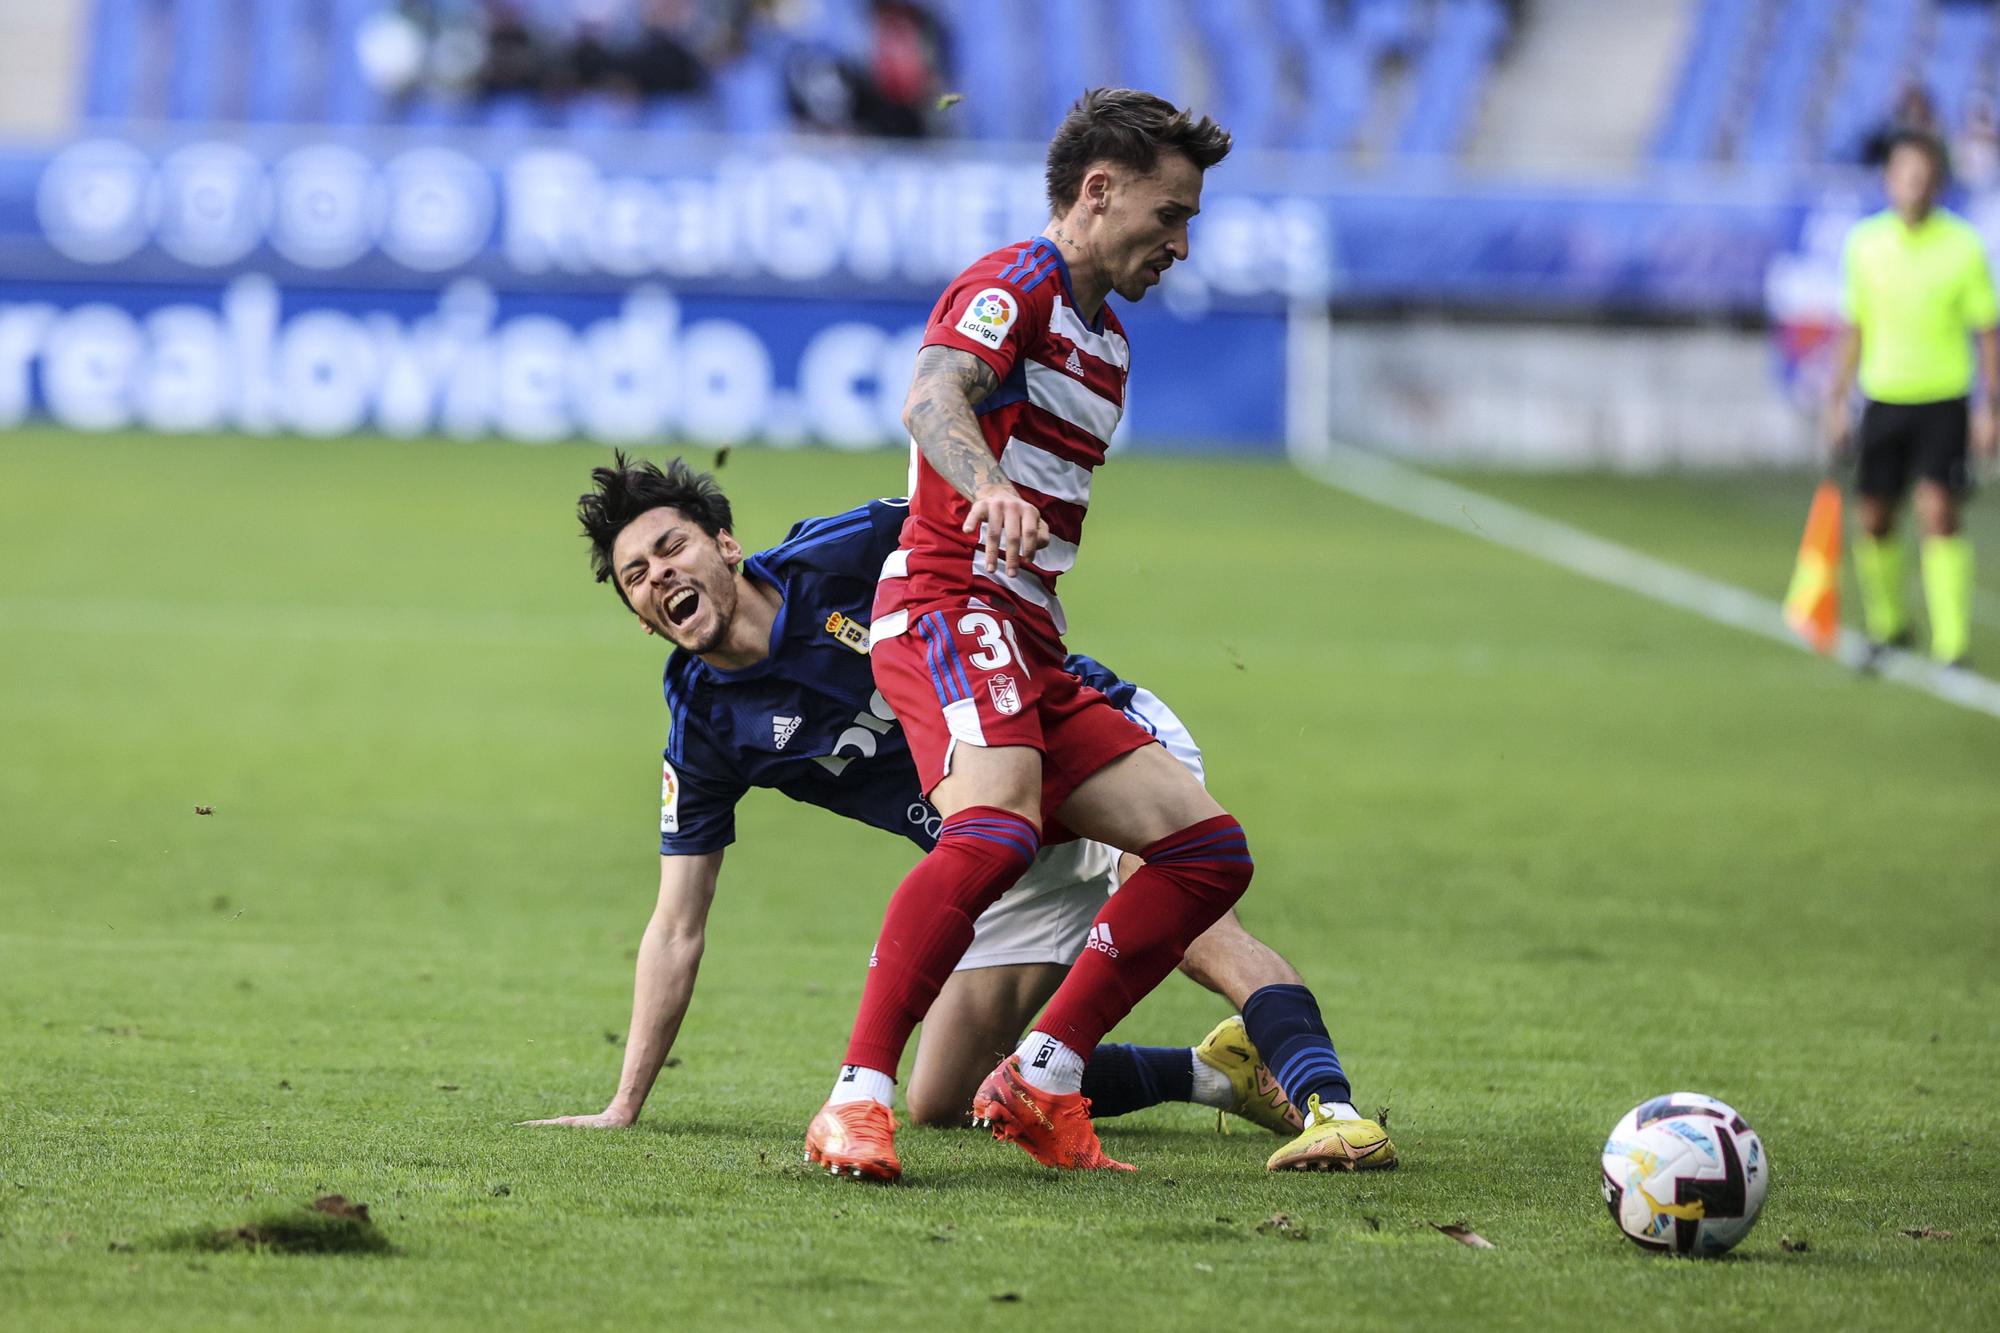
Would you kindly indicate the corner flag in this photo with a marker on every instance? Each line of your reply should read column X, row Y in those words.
column 1812, row 606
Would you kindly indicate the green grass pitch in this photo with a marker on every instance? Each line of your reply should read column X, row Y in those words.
column 1543, row 848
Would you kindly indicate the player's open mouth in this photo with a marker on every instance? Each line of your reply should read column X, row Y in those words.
column 682, row 605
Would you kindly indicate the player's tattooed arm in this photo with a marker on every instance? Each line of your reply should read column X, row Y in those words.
column 939, row 414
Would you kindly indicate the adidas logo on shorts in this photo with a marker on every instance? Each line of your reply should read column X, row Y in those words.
column 783, row 729
column 1100, row 940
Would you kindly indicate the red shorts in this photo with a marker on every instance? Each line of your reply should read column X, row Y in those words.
column 961, row 674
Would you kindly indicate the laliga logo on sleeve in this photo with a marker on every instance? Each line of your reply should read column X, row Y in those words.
column 989, row 317
column 670, row 800
column 1006, row 698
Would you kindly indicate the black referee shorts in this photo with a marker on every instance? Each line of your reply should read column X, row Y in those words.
column 1904, row 441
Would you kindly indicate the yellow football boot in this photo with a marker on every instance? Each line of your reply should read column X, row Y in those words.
column 1259, row 1099
column 1328, row 1144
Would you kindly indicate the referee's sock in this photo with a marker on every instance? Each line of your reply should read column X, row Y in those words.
column 1948, row 572
column 1878, row 568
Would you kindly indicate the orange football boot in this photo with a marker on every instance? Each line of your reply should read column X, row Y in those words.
column 1052, row 1127
column 857, row 1139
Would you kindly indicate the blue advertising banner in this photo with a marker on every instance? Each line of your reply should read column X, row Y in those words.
column 625, row 287
column 540, row 294
column 644, row 364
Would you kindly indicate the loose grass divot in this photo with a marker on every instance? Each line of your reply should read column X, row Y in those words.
column 1462, row 1232
column 1282, row 1224
column 329, row 1225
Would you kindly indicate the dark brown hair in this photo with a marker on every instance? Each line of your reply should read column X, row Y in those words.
column 1128, row 127
column 628, row 489
column 1926, row 143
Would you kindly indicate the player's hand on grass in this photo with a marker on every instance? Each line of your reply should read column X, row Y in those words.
column 1014, row 530
column 611, row 1117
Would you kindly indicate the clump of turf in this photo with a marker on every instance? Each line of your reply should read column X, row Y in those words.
column 329, row 1225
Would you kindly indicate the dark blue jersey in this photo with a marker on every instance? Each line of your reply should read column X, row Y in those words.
column 807, row 720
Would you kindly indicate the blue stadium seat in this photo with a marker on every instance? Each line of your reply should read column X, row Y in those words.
column 1333, row 89
column 595, row 113
column 111, row 63
column 1775, row 131
column 1692, row 127
column 1058, row 67
column 1144, row 54
column 1961, row 48
column 1880, row 51
column 842, row 25
column 510, row 111
column 198, row 56
column 1336, row 96
column 1243, row 71
column 349, row 98
column 692, row 114
column 1452, row 76
column 989, row 61
column 434, row 111
column 272, row 79
column 1385, row 28
column 750, row 90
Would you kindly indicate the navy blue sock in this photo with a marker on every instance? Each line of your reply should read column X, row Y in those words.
column 1285, row 1026
column 1122, row 1079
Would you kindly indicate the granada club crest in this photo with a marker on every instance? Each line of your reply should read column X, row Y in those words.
column 1006, row 699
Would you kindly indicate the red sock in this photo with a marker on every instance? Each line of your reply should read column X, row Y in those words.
column 980, row 852
column 1189, row 880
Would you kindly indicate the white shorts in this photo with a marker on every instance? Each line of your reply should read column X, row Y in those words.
column 1046, row 916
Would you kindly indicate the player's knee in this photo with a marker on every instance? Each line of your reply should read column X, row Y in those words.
column 1937, row 510
column 928, row 1107
column 1230, row 862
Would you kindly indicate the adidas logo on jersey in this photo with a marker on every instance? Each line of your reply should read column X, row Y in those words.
column 1100, row 940
column 1073, row 365
column 783, row 729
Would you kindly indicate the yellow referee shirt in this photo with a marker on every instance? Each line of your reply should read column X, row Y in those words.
column 1917, row 294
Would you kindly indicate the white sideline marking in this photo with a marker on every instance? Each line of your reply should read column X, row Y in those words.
column 1389, row 483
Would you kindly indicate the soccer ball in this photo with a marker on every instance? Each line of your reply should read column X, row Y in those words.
column 1684, row 1174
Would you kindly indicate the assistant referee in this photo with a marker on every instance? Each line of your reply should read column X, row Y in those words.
column 1917, row 295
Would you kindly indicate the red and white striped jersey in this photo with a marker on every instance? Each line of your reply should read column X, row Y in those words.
column 1062, row 391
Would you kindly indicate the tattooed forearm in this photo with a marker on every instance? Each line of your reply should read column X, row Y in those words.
column 939, row 414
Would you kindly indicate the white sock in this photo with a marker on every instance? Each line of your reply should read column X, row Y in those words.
column 1049, row 1065
column 858, row 1084
column 1211, row 1086
column 1340, row 1111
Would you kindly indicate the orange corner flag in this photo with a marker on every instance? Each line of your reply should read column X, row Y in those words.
column 1812, row 607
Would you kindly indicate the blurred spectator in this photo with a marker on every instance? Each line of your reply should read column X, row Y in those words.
column 1914, row 113
column 906, row 54
column 594, row 57
column 664, row 61
column 889, row 95
column 516, row 60
column 1975, row 154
